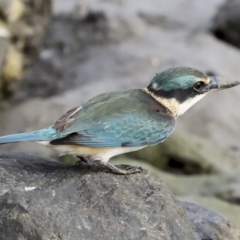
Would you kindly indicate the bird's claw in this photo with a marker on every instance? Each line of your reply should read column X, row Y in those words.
column 132, row 169
column 84, row 161
column 107, row 167
column 124, row 171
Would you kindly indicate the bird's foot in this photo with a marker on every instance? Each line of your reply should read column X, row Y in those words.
column 107, row 167
column 84, row 161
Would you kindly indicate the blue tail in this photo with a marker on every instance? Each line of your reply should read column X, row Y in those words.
column 46, row 134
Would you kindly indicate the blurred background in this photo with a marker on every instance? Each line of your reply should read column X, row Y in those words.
column 57, row 54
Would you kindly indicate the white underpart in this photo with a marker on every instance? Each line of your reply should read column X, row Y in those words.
column 173, row 105
column 177, row 108
column 183, row 107
column 102, row 154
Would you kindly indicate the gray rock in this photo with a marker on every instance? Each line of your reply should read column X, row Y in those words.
column 184, row 153
column 209, row 191
column 71, row 41
column 224, row 186
column 226, row 22
column 229, row 211
column 22, row 24
column 42, row 199
column 3, row 48
column 210, row 225
column 165, row 13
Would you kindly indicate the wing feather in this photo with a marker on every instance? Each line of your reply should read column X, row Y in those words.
column 129, row 130
column 115, row 119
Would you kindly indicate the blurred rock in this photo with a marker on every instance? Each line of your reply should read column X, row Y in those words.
column 11, row 10
column 13, row 64
column 74, row 46
column 183, row 153
column 22, row 25
column 63, row 54
column 223, row 186
column 230, row 211
column 225, row 24
column 41, row 199
column 210, row 225
column 215, row 192
column 161, row 13
column 3, row 49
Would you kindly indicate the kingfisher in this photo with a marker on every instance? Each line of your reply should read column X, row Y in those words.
column 114, row 123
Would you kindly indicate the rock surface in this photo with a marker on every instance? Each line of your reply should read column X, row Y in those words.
column 225, row 24
column 40, row 199
column 223, row 208
column 210, row 225
column 216, row 192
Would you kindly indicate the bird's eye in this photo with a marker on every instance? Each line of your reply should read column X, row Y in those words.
column 198, row 86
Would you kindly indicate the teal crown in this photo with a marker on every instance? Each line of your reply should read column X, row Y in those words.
column 176, row 78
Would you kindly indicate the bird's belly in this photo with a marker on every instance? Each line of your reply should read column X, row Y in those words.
column 95, row 153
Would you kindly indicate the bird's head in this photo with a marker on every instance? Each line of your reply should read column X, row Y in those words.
column 180, row 88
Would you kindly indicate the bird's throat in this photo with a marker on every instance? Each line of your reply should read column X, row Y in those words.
column 175, row 107
column 167, row 103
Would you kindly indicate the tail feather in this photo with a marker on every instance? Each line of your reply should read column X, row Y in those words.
column 45, row 134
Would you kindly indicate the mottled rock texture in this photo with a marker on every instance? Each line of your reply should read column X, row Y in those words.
column 40, row 199
column 210, row 225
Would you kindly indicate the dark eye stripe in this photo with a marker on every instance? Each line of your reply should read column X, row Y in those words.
column 180, row 95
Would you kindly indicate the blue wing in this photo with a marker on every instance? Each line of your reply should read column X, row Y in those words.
column 131, row 129
column 128, row 119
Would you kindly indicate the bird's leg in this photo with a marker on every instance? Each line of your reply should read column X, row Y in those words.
column 114, row 169
column 107, row 167
column 84, row 160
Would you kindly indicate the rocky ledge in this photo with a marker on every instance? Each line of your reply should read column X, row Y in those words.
column 43, row 199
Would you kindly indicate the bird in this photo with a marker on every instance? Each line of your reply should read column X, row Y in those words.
column 114, row 123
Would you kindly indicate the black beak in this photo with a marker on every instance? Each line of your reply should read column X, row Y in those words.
column 219, row 83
